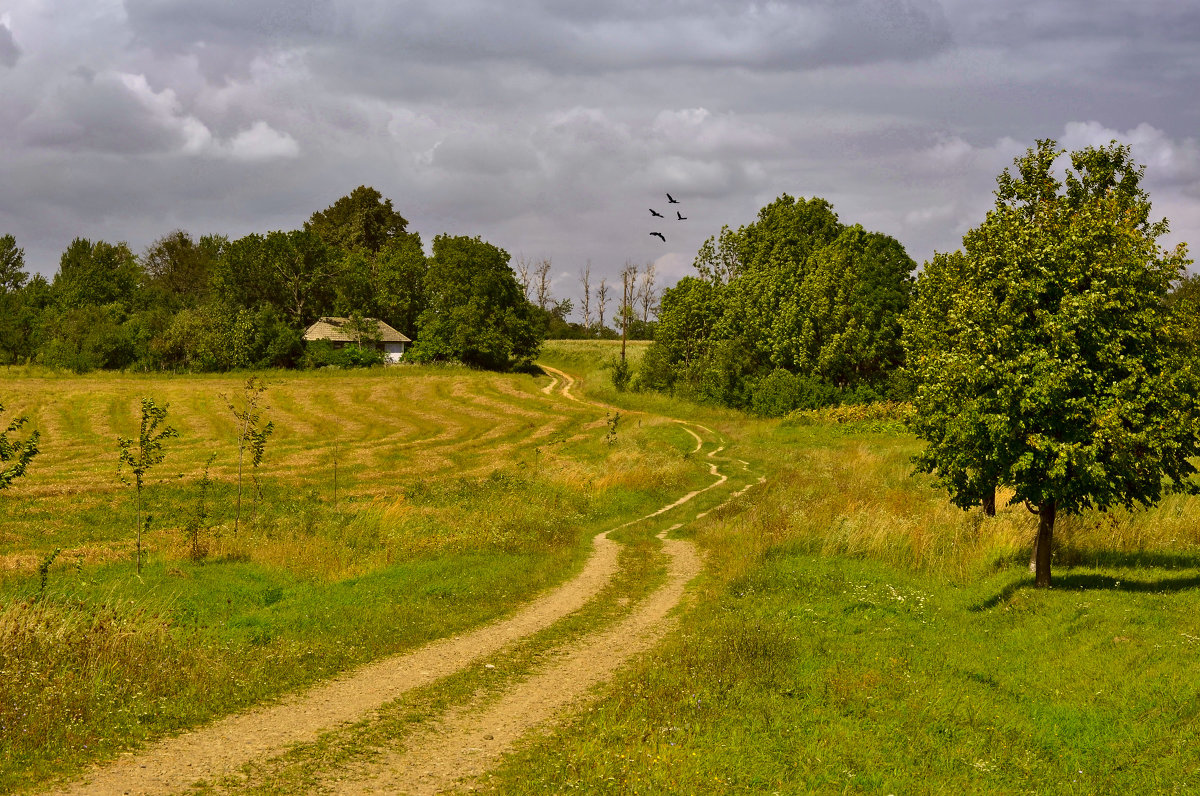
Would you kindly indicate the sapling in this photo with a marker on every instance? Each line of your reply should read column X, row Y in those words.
column 20, row 453
column 149, row 453
column 251, row 436
column 613, row 420
column 198, row 523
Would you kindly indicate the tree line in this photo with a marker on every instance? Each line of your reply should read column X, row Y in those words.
column 217, row 304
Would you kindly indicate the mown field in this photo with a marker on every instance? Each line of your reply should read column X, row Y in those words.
column 852, row 633
column 457, row 496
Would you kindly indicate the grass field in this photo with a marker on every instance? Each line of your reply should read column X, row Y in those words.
column 463, row 492
column 852, row 632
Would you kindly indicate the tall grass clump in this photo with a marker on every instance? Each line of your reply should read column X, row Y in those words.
column 57, row 689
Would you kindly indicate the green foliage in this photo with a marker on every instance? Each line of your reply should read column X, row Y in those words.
column 149, row 452
column 323, row 354
column 476, row 313
column 248, row 413
column 622, row 373
column 198, row 523
column 96, row 274
column 15, row 455
column 1058, row 369
column 363, row 221
column 12, row 265
column 795, row 290
column 86, row 338
column 782, row 391
column 178, row 270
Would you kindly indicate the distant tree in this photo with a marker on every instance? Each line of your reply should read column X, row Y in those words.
column 12, row 265
column 147, row 454
column 1067, row 374
column 95, row 274
column 843, row 324
column 399, row 283
column 522, row 269
column 541, row 275
column 602, row 299
column 15, row 455
column 585, row 280
column 629, row 277
column 476, row 312
column 178, row 270
column 362, row 222
column 295, row 272
column 646, row 294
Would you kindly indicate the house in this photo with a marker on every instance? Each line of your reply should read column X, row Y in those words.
column 341, row 332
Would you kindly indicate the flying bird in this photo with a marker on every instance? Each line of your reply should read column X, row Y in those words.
column 672, row 199
column 655, row 213
column 660, row 236
column 680, row 216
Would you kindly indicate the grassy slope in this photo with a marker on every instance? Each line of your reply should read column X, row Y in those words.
column 854, row 633
column 460, row 494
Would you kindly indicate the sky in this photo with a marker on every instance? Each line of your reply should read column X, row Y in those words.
column 551, row 128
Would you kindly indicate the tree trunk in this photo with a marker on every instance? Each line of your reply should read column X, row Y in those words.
column 989, row 503
column 1046, row 513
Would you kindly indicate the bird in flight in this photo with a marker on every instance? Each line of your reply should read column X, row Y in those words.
column 680, row 216
column 672, row 199
column 659, row 235
column 655, row 213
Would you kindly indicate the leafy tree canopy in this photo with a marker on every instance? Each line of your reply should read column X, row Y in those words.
column 476, row 312
column 362, row 222
column 1059, row 370
column 91, row 274
column 797, row 291
column 12, row 265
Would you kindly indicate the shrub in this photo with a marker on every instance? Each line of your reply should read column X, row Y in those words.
column 781, row 392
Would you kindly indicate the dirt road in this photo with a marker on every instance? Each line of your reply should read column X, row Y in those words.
column 463, row 745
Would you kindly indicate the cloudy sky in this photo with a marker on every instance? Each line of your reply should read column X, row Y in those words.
column 550, row 128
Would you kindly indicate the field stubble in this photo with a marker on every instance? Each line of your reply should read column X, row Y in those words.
column 444, row 494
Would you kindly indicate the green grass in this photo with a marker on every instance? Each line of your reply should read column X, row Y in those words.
column 852, row 631
column 460, row 495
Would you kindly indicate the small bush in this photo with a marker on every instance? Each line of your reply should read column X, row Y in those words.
column 321, row 353
column 782, row 391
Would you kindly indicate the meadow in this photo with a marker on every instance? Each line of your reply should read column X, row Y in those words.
column 397, row 506
column 852, row 631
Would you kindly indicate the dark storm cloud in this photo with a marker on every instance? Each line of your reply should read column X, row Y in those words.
column 1151, row 22
column 9, row 51
column 549, row 127
column 567, row 36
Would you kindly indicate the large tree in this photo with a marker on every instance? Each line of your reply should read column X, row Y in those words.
column 1061, row 373
column 362, row 222
column 476, row 311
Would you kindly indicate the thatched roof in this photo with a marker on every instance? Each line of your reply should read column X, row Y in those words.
column 333, row 328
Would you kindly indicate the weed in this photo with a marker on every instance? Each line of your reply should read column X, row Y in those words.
column 612, row 420
column 44, row 570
